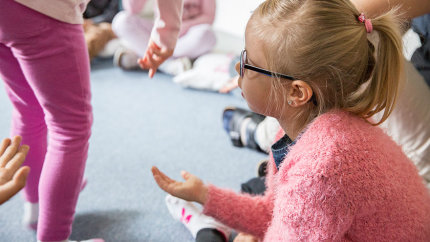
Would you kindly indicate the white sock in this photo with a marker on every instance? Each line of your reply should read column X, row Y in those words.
column 31, row 214
column 243, row 133
column 192, row 217
column 31, row 211
column 66, row 240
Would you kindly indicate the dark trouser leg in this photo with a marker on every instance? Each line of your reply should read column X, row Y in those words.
column 421, row 57
column 210, row 235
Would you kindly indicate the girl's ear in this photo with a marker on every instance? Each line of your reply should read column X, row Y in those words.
column 299, row 94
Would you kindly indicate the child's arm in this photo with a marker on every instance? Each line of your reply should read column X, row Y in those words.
column 313, row 207
column 163, row 36
column 207, row 16
column 243, row 212
column 12, row 175
column 246, row 213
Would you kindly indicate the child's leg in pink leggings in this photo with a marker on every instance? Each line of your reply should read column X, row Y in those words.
column 54, row 61
column 27, row 119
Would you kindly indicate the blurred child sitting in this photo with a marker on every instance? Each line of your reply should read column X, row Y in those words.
column 97, row 25
column 196, row 36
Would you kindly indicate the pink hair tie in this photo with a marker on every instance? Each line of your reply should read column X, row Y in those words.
column 367, row 23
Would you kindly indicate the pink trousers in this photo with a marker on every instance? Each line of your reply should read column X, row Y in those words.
column 45, row 67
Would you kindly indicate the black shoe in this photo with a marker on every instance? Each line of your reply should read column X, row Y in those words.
column 262, row 168
column 233, row 119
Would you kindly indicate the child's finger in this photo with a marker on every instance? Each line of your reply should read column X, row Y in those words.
column 143, row 63
column 153, row 46
column 148, row 64
column 185, row 175
column 163, row 176
column 157, row 51
column 19, row 158
column 163, row 53
column 10, row 151
column 151, row 72
column 4, row 144
column 21, row 175
column 159, row 177
column 158, row 59
column 151, row 61
column 161, row 182
column 164, row 182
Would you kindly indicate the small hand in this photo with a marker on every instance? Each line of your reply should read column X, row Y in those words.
column 12, row 176
column 242, row 237
column 154, row 57
column 193, row 189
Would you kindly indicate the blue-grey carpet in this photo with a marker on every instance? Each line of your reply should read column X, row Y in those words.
column 140, row 122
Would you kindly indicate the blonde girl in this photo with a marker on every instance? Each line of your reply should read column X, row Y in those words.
column 334, row 175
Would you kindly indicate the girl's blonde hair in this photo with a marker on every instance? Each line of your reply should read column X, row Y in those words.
column 323, row 43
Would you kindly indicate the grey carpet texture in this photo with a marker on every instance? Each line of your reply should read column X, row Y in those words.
column 141, row 122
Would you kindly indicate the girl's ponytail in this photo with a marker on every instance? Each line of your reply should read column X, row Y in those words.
column 380, row 91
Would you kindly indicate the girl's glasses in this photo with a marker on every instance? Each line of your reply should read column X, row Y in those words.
column 244, row 65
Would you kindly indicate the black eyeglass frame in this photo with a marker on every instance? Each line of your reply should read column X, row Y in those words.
column 244, row 65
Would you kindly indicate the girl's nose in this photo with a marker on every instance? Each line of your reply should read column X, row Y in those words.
column 239, row 81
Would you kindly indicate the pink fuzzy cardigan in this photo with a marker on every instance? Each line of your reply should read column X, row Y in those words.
column 344, row 180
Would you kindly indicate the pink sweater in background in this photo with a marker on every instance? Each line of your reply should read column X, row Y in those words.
column 197, row 12
column 344, row 180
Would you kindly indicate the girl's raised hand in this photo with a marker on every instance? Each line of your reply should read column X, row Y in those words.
column 12, row 176
column 192, row 189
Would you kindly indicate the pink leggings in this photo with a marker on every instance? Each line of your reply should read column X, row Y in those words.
column 44, row 65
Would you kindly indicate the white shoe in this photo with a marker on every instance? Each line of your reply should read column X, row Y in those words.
column 125, row 59
column 175, row 67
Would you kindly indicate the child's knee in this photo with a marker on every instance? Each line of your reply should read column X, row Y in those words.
column 121, row 20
